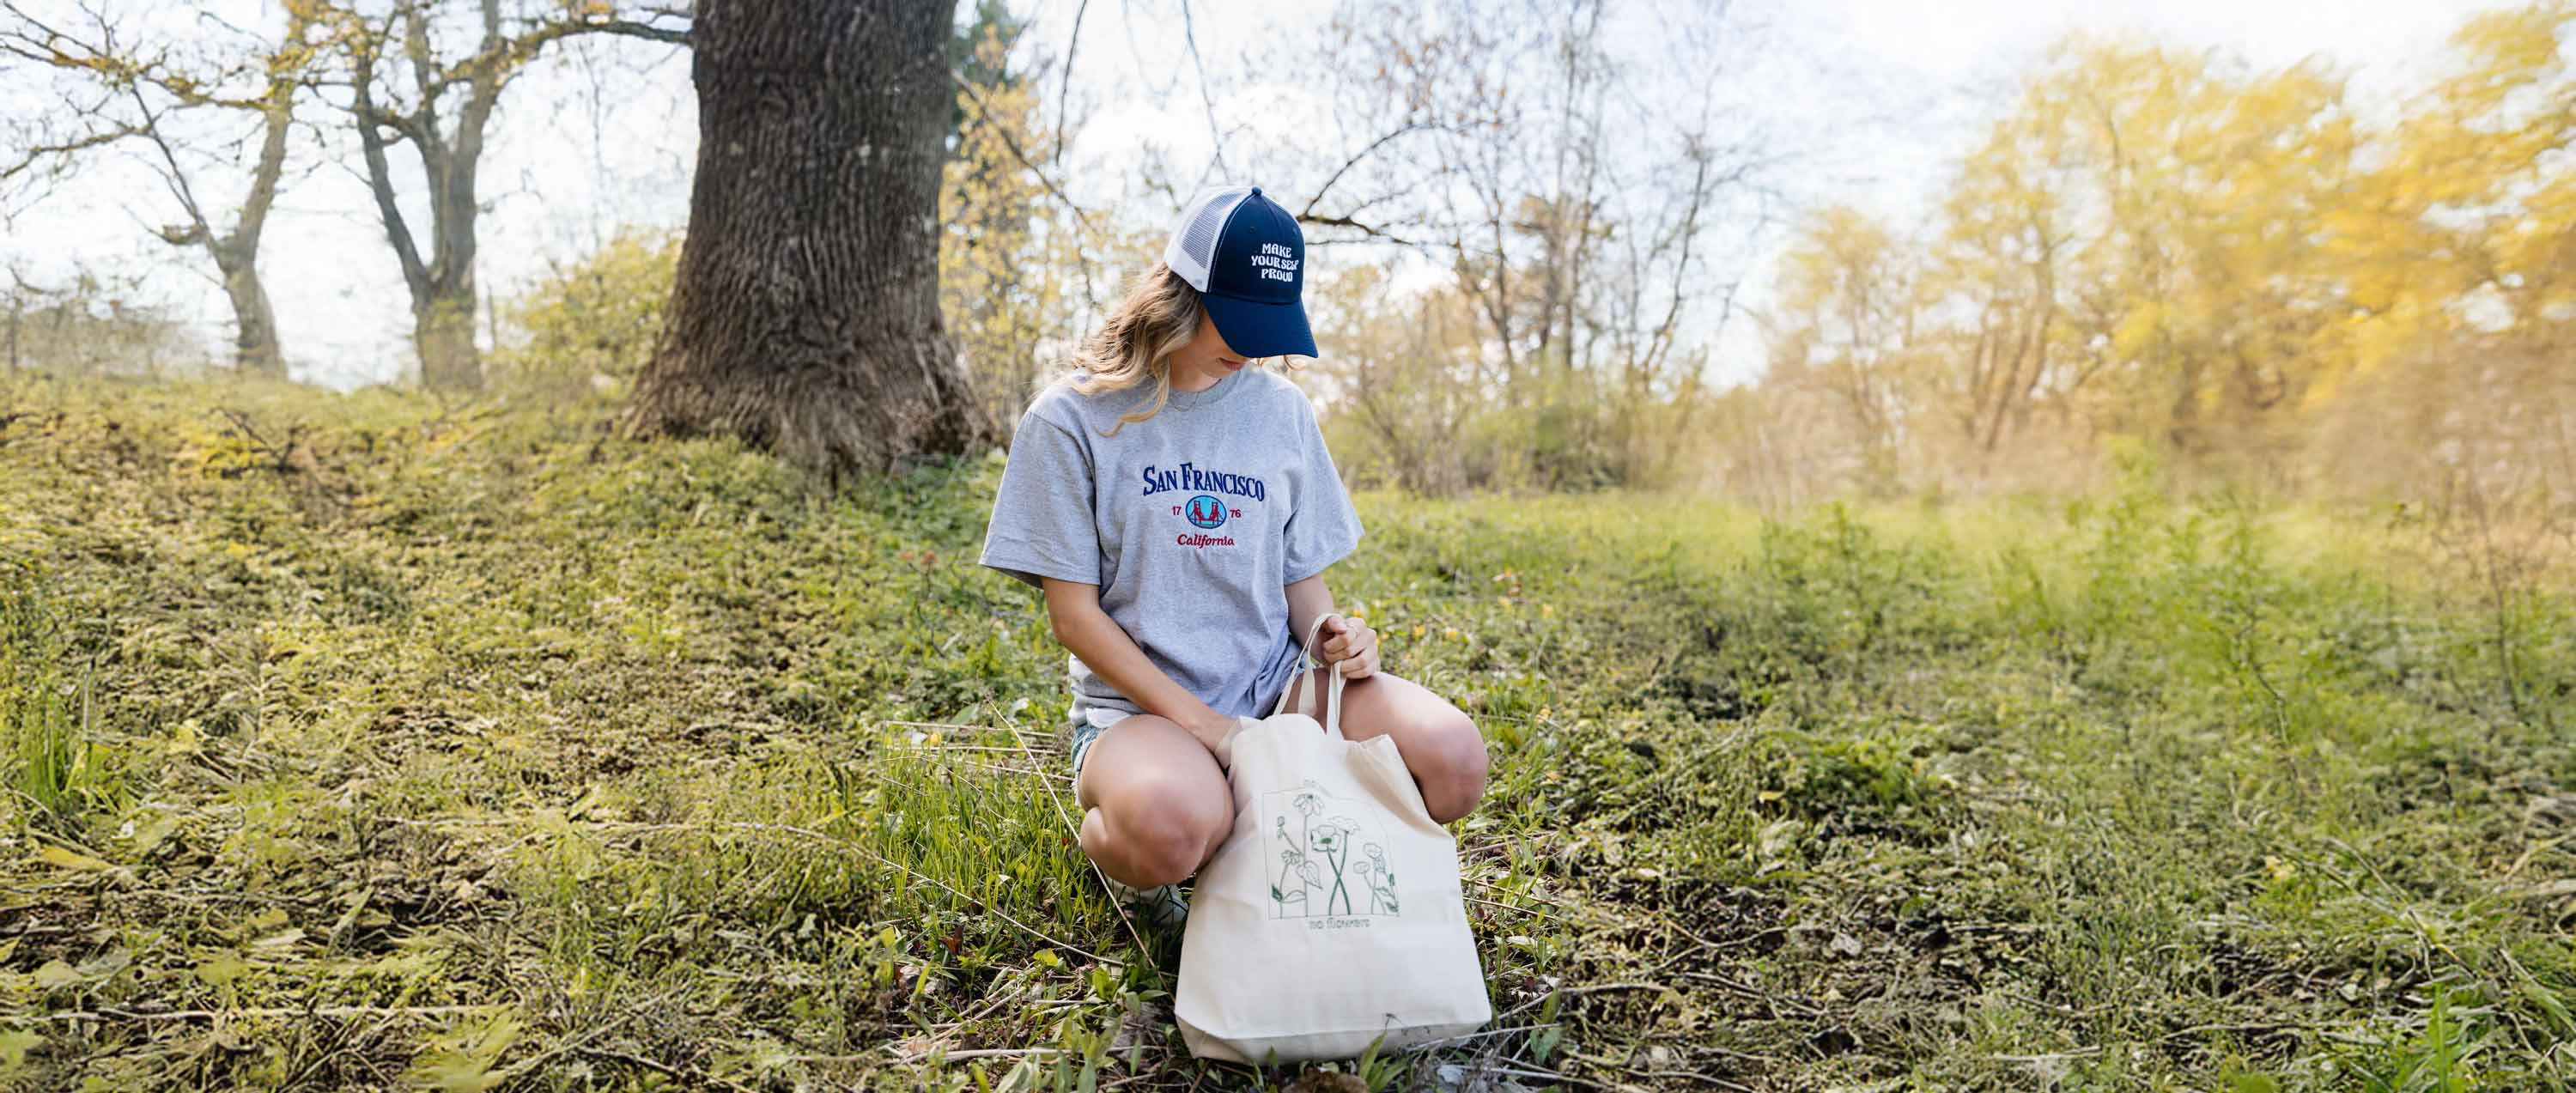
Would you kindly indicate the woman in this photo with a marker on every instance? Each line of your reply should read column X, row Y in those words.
column 1178, row 509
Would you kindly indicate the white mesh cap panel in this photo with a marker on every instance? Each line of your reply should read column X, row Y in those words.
column 1193, row 246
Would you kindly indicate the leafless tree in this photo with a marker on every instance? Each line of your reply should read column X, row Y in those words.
column 130, row 90
column 1573, row 184
column 410, row 85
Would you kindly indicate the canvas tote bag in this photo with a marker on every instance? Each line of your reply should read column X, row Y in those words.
column 1332, row 915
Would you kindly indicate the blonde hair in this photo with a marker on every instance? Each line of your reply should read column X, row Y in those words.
column 1159, row 314
column 1134, row 346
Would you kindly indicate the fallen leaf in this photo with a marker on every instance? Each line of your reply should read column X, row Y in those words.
column 72, row 860
column 222, row 968
column 56, row 975
column 285, row 939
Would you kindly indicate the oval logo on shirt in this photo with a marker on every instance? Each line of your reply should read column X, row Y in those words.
column 1205, row 511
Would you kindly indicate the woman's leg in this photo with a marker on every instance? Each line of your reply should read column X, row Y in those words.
column 1155, row 805
column 1440, row 745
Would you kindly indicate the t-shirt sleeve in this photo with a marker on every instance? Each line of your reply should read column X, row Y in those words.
column 1042, row 522
column 1324, row 528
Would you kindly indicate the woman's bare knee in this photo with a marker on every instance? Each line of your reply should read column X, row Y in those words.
column 1168, row 825
column 1159, row 805
column 1452, row 774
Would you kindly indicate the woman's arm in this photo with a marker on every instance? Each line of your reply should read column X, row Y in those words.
column 1074, row 609
column 1307, row 599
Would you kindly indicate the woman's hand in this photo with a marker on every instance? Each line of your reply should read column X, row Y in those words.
column 1352, row 649
column 1210, row 727
column 1217, row 731
column 1089, row 633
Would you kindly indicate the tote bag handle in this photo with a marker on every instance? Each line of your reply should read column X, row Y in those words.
column 1332, row 691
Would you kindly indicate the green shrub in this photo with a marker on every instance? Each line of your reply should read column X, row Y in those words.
column 589, row 327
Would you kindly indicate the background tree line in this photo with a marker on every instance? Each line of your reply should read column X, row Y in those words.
column 2240, row 271
column 1528, row 262
column 209, row 102
column 1535, row 230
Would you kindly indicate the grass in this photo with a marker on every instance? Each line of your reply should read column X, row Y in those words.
column 370, row 741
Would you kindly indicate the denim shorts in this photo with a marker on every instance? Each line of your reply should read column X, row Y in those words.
column 1089, row 721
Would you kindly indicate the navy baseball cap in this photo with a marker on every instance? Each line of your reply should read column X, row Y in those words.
column 1248, row 260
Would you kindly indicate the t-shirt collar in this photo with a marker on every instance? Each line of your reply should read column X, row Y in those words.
column 1225, row 385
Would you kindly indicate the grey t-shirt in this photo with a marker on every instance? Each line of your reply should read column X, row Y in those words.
column 1192, row 522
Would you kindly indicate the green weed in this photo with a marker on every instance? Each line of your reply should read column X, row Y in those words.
column 48, row 712
column 472, row 746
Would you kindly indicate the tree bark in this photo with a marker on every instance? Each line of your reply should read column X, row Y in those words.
column 255, row 345
column 255, row 348
column 442, row 284
column 805, row 317
column 442, row 332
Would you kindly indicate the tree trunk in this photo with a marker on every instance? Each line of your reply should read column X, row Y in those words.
column 441, row 285
column 255, row 348
column 443, row 335
column 2182, row 423
column 805, row 317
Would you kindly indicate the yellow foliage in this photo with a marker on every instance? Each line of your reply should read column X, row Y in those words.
column 1004, row 249
column 2178, row 246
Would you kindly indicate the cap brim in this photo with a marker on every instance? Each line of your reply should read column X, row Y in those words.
column 1256, row 329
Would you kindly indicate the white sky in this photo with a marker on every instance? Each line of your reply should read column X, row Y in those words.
column 1886, row 93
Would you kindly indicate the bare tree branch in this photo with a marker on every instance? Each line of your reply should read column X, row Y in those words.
column 1064, row 82
column 1216, row 138
column 106, row 59
column 176, row 175
column 35, row 154
column 983, row 116
column 1318, row 196
column 678, row 36
column 380, row 176
column 1354, row 225
column 448, row 137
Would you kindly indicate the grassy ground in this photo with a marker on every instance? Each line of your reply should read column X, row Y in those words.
column 366, row 741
